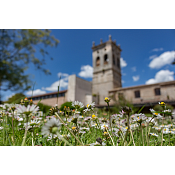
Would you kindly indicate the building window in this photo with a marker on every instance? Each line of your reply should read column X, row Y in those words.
column 98, row 61
column 137, row 94
column 106, row 60
column 157, row 91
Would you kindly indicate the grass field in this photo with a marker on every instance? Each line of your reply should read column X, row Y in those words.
column 24, row 125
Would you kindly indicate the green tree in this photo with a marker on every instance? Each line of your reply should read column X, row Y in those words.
column 44, row 108
column 121, row 102
column 16, row 98
column 160, row 108
column 18, row 49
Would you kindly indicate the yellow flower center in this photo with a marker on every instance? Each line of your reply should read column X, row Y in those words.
column 106, row 98
column 87, row 105
column 73, row 128
column 162, row 103
column 96, row 124
column 153, row 134
column 93, row 116
column 126, row 128
column 105, row 132
column 156, row 113
column 138, row 118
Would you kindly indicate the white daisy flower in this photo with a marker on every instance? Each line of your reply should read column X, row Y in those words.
column 77, row 104
column 166, row 131
column 97, row 144
column 18, row 118
column 134, row 126
column 21, row 109
column 90, row 107
column 139, row 117
column 84, row 129
column 34, row 122
column 152, row 110
column 50, row 127
column 153, row 134
column 104, row 125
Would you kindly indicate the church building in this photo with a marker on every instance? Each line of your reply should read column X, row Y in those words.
column 106, row 82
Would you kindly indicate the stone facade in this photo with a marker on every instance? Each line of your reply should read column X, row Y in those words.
column 142, row 94
column 79, row 89
column 51, row 98
column 106, row 69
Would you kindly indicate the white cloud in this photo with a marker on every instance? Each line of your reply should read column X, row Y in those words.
column 162, row 60
column 86, row 71
column 136, row 78
column 123, row 62
column 152, row 56
column 62, row 75
column 157, row 49
column 35, row 92
column 133, row 69
column 63, row 83
column 161, row 76
column 123, row 81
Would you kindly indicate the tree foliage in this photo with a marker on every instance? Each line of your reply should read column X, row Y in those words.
column 121, row 102
column 160, row 108
column 16, row 98
column 18, row 49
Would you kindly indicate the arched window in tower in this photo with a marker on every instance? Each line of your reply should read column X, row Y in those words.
column 106, row 59
column 118, row 63
column 113, row 57
column 98, row 61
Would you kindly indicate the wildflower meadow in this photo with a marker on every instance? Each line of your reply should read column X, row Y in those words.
column 25, row 125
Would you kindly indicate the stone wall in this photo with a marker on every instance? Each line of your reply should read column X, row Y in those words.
column 147, row 93
column 79, row 90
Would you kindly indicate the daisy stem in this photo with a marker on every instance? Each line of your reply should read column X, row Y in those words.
column 109, row 117
column 142, row 136
column 68, row 129
column 13, row 128
column 122, row 137
column 6, row 134
column 132, row 136
column 32, row 139
column 110, row 138
column 162, row 134
column 148, row 134
column 127, row 128
column 3, row 130
column 25, row 134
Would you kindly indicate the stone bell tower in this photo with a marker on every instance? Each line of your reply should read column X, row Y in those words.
column 106, row 69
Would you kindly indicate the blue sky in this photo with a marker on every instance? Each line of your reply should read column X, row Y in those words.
column 145, row 58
